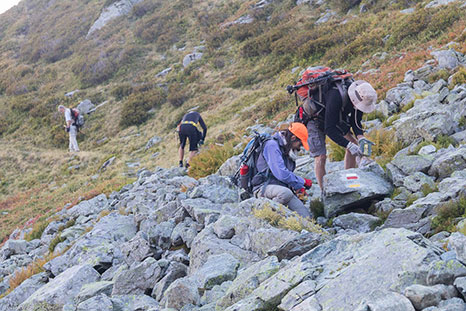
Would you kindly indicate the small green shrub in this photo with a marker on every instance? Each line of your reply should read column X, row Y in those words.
column 58, row 136
column 177, row 95
column 386, row 145
column 278, row 218
column 459, row 77
column 94, row 70
column 277, row 104
column 374, row 116
column 209, row 160
column 408, row 106
column 411, row 199
column 441, row 74
column 408, row 27
column 335, row 151
column 426, row 189
column 383, row 215
column 461, row 122
column 134, row 112
column 37, row 230
column 135, row 109
column 317, row 208
column 395, row 193
column 447, row 215
column 69, row 223
column 343, row 5
column 390, row 120
column 57, row 240
column 122, row 91
column 245, row 79
column 443, row 141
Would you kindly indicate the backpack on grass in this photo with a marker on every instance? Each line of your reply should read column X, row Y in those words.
column 248, row 169
column 312, row 87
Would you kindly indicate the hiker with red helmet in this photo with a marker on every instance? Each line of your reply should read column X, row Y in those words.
column 275, row 178
column 341, row 123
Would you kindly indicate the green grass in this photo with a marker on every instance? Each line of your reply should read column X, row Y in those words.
column 278, row 218
column 448, row 214
column 209, row 160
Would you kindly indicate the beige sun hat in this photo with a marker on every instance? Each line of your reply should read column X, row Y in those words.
column 362, row 95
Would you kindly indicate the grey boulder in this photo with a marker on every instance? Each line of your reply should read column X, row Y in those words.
column 138, row 279
column 354, row 188
column 62, row 289
column 216, row 270
column 384, row 300
column 85, row 106
column 23, row 291
column 248, row 280
column 449, row 162
column 99, row 302
column 173, row 299
column 355, row 221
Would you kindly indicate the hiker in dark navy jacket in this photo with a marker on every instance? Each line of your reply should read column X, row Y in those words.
column 343, row 126
column 188, row 128
column 276, row 164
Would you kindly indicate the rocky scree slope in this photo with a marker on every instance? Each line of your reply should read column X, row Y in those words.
column 170, row 242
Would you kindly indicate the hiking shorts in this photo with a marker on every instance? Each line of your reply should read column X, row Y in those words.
column 191, row 132
column 316, row 139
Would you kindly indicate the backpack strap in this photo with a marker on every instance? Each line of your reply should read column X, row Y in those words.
column 268, row 172
column 343, row 94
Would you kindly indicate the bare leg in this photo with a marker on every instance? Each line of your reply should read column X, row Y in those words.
column 319, row 168
column 181, row 153
column 350, row 160
column 191, row 155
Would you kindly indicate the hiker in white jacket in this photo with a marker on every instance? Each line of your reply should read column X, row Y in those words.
column 70, row 127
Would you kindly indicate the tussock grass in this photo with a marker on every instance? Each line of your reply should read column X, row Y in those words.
column 385, row 148
column 459, row 77
column 25, row 273
column 37, row 230
column 335, row 151
column 386, row 145
column 209, row 160
column 448, row 214
column 278, row 218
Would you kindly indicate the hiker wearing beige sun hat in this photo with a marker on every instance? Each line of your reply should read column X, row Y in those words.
column 362, row 95
column 341, row 122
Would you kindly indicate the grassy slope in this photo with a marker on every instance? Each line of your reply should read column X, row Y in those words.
column 240, row 80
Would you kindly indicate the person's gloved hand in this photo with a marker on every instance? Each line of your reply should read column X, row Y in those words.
column 201, row 142
column 67, row 129
column 301, row 194
column 307, row 183
column 353, row 149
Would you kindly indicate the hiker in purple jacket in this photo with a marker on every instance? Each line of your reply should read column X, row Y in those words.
column 276, row 164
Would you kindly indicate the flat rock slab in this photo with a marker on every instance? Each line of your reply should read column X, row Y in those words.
column 351, row 267
column 354, row 188
column 62, row 289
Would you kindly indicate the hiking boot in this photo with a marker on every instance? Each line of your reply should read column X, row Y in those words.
column 322, row 195
column 187, row 165
column 181, row 164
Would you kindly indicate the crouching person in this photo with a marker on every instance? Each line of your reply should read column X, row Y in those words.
column 275, row 178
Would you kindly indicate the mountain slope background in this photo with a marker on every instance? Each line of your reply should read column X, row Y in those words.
column 249, row 50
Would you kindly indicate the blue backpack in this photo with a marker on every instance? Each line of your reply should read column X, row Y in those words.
column 248, row 169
